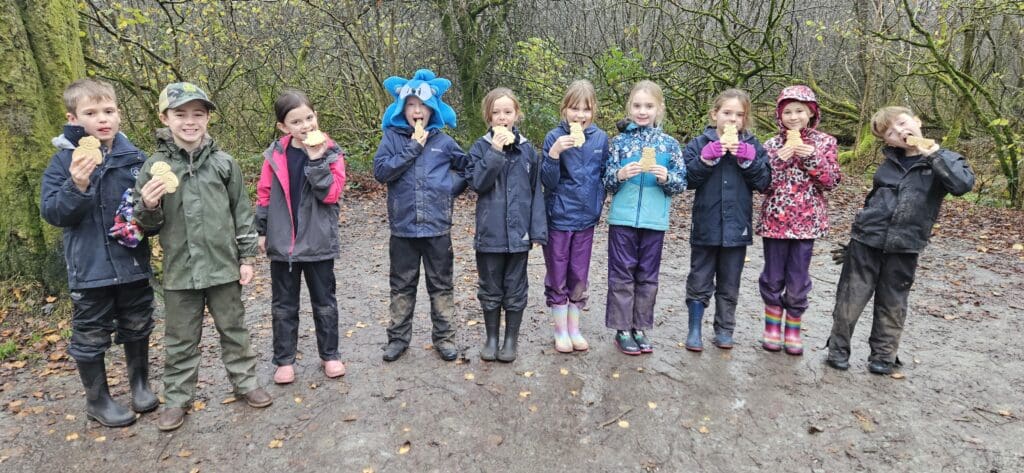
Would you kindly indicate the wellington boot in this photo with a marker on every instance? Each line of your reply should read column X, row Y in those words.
column 136, row 356
column 99, row 406
column 492, row 323
column 508, row 349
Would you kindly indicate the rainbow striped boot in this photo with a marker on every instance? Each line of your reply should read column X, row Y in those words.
column 772, row 340
column 794, row 346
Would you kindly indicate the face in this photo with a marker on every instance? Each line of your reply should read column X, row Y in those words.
column 579, row 112
column 298, row 122
column 796, row 116
column 902, row 126
column 416, row 110
column 730, row 113
column 503, row 112
column 643, row 109
column 187, row 123
column 100, row 118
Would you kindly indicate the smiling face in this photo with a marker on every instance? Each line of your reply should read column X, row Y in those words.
column 100, row 118
column 415, row 109
column 580, row 112
column 795, row 115
column 643, row 108
column 731, row 112
column 902, row 126
column 187, row 124
column 298, row 122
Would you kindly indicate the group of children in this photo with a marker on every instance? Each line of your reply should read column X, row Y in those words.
column 193, row 195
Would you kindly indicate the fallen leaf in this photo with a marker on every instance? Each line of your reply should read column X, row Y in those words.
column 574, row 393
column 897, row 376
column 71, row 437
column 368, row 470
column 349, row 333
column 527, row 374
column 1005, row 413
column 37, row 394
column 471, row 323
column 16, row 364
column 101, row 438
column 194, row 470
column 69, row 417
column 615, row 375
column 51, row 299
column 15, row 406
column 1018, row 247
column 564, row 371
column 652, row 405
column 495, row 440
column 814, row 429
column 229, row 400
column 404, row 448
column 533, row 408
column 198, row 406
column 52, row 338
column 624, row 424
column 276, row 443
column 184, row 453
column 360, row 324
column 524, row 394
column 298, row 400
column 56, row 356
column 703, row 429
column 349, row 418
column 469, row 376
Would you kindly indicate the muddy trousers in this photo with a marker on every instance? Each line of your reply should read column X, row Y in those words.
column 888, row 276
column 716, row 270
column 284, row 310
column 502, row 281
column 438, row 259
column 124, row 310
column 634, row 263
column 184, row 329
column 786, row 280
column 567, row 260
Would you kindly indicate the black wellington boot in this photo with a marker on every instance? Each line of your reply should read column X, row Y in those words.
column 136, row 356
column 508, row 350
column 99, row 406
column 492, row 322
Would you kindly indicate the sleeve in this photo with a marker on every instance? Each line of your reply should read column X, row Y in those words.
column 823, row 165
column 327, row 175
column 459, row 164
column 62, row 204
column 538, row 208
column 697, row 173
column 952, row 171
column 263, row 190
column 758, row 175
column 485, row 166
column 389, row 164
column 611, row 168
column 241, row 210
column 150, row 220
column 550, row 169
column 676, row 182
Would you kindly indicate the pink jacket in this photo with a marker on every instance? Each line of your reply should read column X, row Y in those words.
column 794, row 205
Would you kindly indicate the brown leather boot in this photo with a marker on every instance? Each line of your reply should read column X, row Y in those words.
column 258, row 398
column 170, row 418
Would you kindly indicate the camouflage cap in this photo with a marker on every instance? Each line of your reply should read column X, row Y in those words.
column 180, row 93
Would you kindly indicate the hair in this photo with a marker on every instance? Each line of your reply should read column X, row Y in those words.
column 580, row 91
column 729, row 94
column 655, row 92
column 883, row 118
column 289, row 100
column 87, row 89
column 488, row 103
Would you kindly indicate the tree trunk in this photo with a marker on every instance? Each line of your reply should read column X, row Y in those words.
column 869, row 18
column 39, row 56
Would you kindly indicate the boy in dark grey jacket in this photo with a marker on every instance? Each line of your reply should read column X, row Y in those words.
column 889, row 233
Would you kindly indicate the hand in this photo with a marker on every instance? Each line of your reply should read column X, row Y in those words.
column 730, row 148
column 712, row 151
column 785, row 153
column 80, row 172
column 422, row 140
column 316, row 152
column 152, row 192
column 629, row 171
column 660, row 172
column 262, row 243
column 246, row 272
column 499, row 142
column 925, row 152
column 805, row 150
column 561, row 144
column 839, row 254
column 744, row 152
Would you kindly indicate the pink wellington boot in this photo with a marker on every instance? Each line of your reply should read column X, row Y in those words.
column 573, row 322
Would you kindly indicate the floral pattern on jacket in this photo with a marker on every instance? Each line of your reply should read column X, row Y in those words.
column 794, row 205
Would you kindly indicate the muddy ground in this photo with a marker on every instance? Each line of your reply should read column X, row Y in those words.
column 959, row 406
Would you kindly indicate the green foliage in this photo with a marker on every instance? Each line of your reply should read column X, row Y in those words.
column 8, row 349
column 543, row 83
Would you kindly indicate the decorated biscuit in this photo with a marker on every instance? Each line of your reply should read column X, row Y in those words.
column 88, row 148
column 419, row 132
column 162, row 171
column 920, row 142
column 730, row 135
column 647, row 160
column 314, row 138
column 576, row 132
column 793, row 139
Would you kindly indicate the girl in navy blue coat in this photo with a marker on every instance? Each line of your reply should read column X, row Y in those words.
column 574, row 157
column 724, row 171
column 504, row 171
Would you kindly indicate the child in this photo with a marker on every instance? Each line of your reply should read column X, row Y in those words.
column 886, row 238
column 574, row 197
column 297, row 219
column 505, row 173
column 202, row 211
column 639, row 215
column 417, row 165
column 794, row 213
column 724, row 170
column 109, row 281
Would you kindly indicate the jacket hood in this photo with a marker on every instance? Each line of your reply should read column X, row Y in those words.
column 799, row 93
column 429, row 88
column 68, row 140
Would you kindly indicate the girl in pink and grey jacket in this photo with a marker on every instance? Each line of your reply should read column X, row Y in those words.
column 794, row 213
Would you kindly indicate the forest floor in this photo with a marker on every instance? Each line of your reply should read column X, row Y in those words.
column 957, row 405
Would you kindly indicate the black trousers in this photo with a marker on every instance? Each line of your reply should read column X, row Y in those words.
column 869, row 271
column 437, row 257
column 125, row 310
column 716, row 270
column 502, row 280
column 320, row 283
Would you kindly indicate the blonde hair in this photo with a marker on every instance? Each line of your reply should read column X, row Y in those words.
column 87, row 89
column 488, row 103
column 580, row 91
column 729, row 94
column 654, row 90
column 883, row 118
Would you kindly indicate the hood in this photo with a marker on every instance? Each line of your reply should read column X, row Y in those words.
column 429, row 88
column 799, row 93
column 73, row 133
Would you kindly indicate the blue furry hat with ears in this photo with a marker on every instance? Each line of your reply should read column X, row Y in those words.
column 429, row 88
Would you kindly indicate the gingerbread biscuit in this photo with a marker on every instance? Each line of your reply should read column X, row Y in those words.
column 162, row 171
column 314, row 138
column 576, row 132
column 920, row 142
column 730, row 135
column 88, row 148
column 503, row 130
column 647, row 160
column 418, row 130
column 793, row 139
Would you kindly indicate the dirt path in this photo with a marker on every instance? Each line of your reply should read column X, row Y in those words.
column 959, row 408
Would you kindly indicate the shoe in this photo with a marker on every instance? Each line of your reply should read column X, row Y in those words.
column 258, row 398
column 841, row 365
column 794, row 346
column 394, row 351
column 170, row 418
column 642, row 342
column 723, row 340
column 573, row 326
column 284, row 374
column 693, row 341
column 492, row 323
column 99, row 406
column 136, row 356
column 772, row 339
column 508, row 349
column 333, row 368
column 624, row 341
column 563, row 344
column 447, row 352
column 880, row 367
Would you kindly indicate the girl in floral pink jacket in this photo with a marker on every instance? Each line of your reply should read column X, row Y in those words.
column 794, row 213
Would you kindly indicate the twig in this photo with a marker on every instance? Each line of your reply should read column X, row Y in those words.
column 616, row 418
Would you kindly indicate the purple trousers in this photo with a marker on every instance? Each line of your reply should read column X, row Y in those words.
column 634, row 262
column 567, row 259
column 786, row 281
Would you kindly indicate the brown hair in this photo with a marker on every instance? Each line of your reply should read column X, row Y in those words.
column 87, row 89
column 580, row 91
column 655, row 92
column 883, row 118
column 729, row 94
column 289, row 100
column 488, row 103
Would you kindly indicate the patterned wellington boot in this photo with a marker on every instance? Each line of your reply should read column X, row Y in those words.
column 772, row 340
column 573, row 319
column 562, row 342
column 794, row 346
